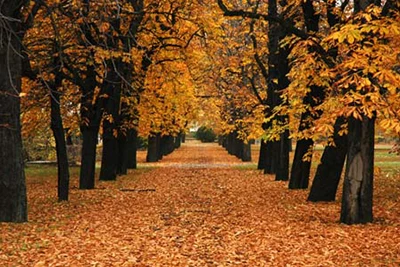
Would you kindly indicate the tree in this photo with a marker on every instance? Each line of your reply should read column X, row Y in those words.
column 46, row 78
column 13, row 203
column 300, row 170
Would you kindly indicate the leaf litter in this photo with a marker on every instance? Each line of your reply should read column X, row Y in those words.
column 184, row 212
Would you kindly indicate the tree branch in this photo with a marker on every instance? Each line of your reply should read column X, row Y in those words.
column 289, row 27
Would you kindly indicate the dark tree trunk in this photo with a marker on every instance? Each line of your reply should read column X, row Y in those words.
column 131, row 149
column 300, row 171
column 327, row 176
column 359, row 174
column 278, row 68
column 246, row 155
column 229, row 143
column 220, row 140
column 91, row 115
column 13, row 203
column 158, row 146
column 262, row 159
column 238, row 146
column 178, row 141
column 183, row 137
column 110, row 154
column 224, row 141
column 270, row 156
column 167, row 144
column 61, row 146
column 282, row 166
column 152, row 150
column 88, row 157
column 122, row 164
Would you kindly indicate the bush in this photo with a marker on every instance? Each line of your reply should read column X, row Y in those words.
column 205, row 134
column 142, row 143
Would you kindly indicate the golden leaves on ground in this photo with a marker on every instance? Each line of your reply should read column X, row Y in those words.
column 208, row 209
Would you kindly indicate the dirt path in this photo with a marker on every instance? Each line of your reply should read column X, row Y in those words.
column 194, row 154
column 179, row 213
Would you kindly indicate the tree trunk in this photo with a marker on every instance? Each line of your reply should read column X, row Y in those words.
column 246, row 156
column 122, row 163
column 270, row 156
column 152, row 151
column 282, row 167
column 158, row 146
column 88, row 157
column 13, row 203
column 109, row 159
column 300, row 171
column 262, row 156
column 131, row 149
column 178, row 141
column 61, row 146
column 327, row 176
column 359, row 174
column 110, row 155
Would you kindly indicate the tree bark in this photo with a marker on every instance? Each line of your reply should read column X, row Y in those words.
column 178, row 141
column 131, row 149
column 327, row 176
column 61, row 146
column 152, row 151
column 13, row 202
column 91, row 115
column 300, row 171
column 282, row 164
column 88, row 157
column 359, row 174
column 110, row 154
column 270, row 156
column 262, row 155
column 246, row 155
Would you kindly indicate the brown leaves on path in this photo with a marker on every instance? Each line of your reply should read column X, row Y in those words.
column 198, row 207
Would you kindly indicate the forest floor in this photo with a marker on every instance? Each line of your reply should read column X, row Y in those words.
column 197, row 207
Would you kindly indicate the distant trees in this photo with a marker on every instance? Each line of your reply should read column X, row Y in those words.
column 205, row 134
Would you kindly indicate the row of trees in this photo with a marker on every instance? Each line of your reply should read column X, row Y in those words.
column 328, row 70
column 115, row 68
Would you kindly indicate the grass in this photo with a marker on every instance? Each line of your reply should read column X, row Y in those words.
column 384, row 160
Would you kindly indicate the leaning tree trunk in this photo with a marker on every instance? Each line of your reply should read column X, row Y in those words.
column 13, row 203
column 61, row 146
column 327, row 176
column 300, row 172
column 358, row 182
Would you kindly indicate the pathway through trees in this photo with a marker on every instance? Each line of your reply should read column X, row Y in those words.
column 198, row 207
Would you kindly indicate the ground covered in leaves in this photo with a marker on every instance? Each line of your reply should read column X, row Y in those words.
column 198, row 207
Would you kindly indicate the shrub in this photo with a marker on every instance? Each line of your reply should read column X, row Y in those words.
column 205, row 134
